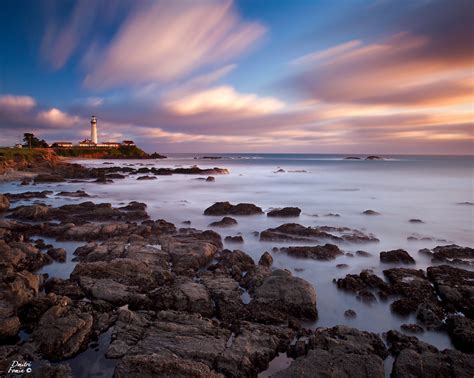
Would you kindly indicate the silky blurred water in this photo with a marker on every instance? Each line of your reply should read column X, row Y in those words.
column 399, row 188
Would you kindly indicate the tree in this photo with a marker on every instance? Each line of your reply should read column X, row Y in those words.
column 33, row 142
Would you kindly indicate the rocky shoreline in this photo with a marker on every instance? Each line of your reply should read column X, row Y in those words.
column 177, row 303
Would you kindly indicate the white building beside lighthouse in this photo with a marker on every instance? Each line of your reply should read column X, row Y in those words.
column 94, row 129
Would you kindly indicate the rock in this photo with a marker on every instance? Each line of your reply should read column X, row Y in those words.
column 234, row 239
column 52, row 371
column 33, row 212
column 115, row 176
column 340, row 351
column 461, row 332
column 350, row 314
column 4, row 203
column 183, row 295
column 415, row 220
column 76, row 194
column 289, row 232
column 27, row 195
column 146, row 178
column 266, row 260
column 396, row 256
column 224, row 222
column 45, row 178
column 418, row 359
column 321, row 252
column 61, row 287
column 103, row 180
column 63, row 331
column 242, row 351
column 366, row 296
column 374, row 157
column 332, row 215
column 156, row 365
column 455, row 287
column 134, row 206
column 233, row 263
column 370, row 212
column 364, row 281
column 453, row 254
column 285, row 212
column 226, row 208
column 352, row 158
column 210, row 179
column 412, row 328
column 342, row 266
column 57, row 254
column 282, row 296
column 363, row 254
column 226, row 294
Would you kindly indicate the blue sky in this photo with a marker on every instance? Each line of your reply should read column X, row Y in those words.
column 245, row 76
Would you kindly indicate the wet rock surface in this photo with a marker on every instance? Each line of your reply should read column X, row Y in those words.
column 396, row 256
column 453, row 254
column 224, row 222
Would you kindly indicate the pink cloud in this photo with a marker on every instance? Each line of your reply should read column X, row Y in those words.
column 167, row 40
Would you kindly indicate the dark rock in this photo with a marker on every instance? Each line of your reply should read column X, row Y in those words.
column 455, row 287
column 115, row 176
column 63, row 331
column 350, row 314
column 28, row 195
column 266, row 260
column 370, row 212
column 321, row 252
column 282, row 296
column 452, row 254
column 45, row 177
column 366, row 296
column 374, row 157
column 461, row 332
column 296, row 232
column 210, row 179
column 234, row 239
column 61, row 287
column 364, row 281
column 415, row 220
column 76, row 194
column 396, row 256
column 224, row 222
column 285, row 212
column 104, row 180
column 146, row 178
column 363, row 254
column 342, row 266
column 352, row 158
column 57, row 254
column 413, row 328
column 226, row 208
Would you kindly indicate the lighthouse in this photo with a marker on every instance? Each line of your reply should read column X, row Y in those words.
column 94, row 129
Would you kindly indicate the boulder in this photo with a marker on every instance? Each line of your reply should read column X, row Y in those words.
column 399, row 256
column 285, row 212
column 76, row 194
column 226, row 208
column 461, row 332
column 266, row 260
column 234, row 239
column 453, row 254
column 210, row 179
column 282, row 296
column 370, row 212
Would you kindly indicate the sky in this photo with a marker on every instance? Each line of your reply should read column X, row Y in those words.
column 283, row 76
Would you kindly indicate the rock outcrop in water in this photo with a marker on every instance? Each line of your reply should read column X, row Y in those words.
column 320, row 252
column 226, row 208
column 286, row 212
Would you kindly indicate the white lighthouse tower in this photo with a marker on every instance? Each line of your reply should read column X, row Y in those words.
column 94, row 129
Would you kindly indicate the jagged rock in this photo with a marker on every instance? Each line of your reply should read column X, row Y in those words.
column 226, row 294
column 453, row 254
column 282, row 296
column 224, row 222
column 63, row 331
column 413, row 328
column 63, row 287
column 226, row 208
column 362, row 283
column 285, row 212
column 396, row 256
column 233, row 263
column 350, row 314
column 76, row 194
column 234, row 239
column 4, row 203
column 146, row 178
column 363, row 254
column 33, row 212
column 243, row 351
column 455, row 287
column 320, row 252
column 210, row 179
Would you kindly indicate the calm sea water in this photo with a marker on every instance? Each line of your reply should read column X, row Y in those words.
column 399, row 188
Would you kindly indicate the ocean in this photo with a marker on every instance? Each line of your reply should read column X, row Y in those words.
column 436, row 189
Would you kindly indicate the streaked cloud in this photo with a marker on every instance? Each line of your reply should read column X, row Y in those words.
column 223, row 99
column 15, row 103
column 165, row 41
